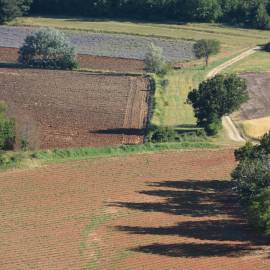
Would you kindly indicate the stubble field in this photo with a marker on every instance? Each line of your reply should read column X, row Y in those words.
column 253, row 116
column 73, row 109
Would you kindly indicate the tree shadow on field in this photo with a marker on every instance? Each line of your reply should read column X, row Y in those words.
column 216, row 216
column 122, row 131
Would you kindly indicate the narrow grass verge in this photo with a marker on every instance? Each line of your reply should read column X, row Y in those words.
column 30, row 159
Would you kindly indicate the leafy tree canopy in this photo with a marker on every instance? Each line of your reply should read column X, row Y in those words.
column 215, row 98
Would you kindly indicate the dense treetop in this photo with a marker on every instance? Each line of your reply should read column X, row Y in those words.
column 253, row 13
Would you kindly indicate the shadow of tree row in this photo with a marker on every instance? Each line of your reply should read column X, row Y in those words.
column 196, row 198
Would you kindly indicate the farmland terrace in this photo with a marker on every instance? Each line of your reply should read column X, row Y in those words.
column 73, row 109
column 105, row 44
column 177, row 211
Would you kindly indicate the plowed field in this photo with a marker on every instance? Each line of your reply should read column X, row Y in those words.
column 11, row 55
column 165, row 211
column 71, row 109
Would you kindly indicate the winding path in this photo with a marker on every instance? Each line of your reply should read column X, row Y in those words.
column 227, row 122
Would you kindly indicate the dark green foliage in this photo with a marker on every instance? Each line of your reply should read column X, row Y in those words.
column 250, row 177
column 161, row 134
column 48, row 48
column 215, row 98
column 253, row 171
column 252, row 13
column 259, row 212
column 7, row 130
column 266, row 47
column 204, row 48
column 10, row 9
column 258, row 151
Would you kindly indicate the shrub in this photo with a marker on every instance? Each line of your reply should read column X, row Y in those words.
column 7, row 130
column 259, row 212
column 161, row 134
column 48, row 48
column 250, row 177
column 155, row 61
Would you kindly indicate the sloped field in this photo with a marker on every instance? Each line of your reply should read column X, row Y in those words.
column 103, row 44
column 171, row 210
column 72, row 109
column 11, row 55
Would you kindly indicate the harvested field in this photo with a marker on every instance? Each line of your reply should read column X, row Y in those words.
column 111, row 45
column 253, row 117
column 259, row 90
column 10, row 55
column 72, row 109
column 171, row 210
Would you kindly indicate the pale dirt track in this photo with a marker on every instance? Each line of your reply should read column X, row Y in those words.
column 228, row 124
column 162, row 211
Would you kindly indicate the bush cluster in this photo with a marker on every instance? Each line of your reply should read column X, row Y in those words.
column 251, row 181
column 7, row 129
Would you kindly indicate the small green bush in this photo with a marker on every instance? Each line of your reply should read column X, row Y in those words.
column 155, row 61
column 7, row 130
column 259, row 212
column 48, row 48
column 161, row 134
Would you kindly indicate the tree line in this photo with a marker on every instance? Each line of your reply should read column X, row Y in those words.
column 251, row 13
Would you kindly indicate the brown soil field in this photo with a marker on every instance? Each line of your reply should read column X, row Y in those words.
column 163, row 211
column 87, row 61
column 72, row 109
column 259, row 89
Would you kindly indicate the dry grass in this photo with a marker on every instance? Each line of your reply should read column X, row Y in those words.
column 256, row 128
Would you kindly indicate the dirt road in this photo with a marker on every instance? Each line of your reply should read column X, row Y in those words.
column 227, row 122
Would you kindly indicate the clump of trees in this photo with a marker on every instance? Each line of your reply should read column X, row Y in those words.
column 216, row 98
column 252, row 13
column 251, row 180
column 10, row 9
column 7, row 129
column 155, row 61
column 204, row 48
column 48, row 48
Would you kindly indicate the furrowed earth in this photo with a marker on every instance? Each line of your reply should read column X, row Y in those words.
column 103, row 63
column 162, row 211
column 55, row 109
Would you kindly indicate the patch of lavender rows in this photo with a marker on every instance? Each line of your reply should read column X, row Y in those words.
column 101, row 44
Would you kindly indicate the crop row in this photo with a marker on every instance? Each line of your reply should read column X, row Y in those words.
column 104, row 44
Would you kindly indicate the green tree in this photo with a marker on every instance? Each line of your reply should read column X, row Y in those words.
column 204, row 48
column 155, row 61
column 259, row 212
column 48, row 48
column 215, row 98
column 253, row 171
column 10, row 9
column 7, row 129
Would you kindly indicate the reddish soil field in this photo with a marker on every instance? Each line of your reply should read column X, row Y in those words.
column 259, row 90
column 72, row 109
column 87, row 61
column 171, row 210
